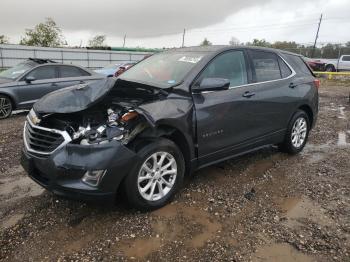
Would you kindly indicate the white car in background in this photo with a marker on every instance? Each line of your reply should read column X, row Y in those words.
column 337, row 65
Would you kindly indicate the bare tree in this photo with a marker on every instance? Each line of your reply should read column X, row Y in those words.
column 205, row 42
column 234, row 41
column 4, row 39
column 97, row 41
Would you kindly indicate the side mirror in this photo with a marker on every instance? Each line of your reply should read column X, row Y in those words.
column 213, row 84
column 29, row 79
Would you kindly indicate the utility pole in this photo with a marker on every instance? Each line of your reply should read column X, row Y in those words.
column 318, row 30
column 124, row 40
column 183, row 38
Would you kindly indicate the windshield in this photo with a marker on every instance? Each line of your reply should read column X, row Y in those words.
column 163, row 70
column 17, row 70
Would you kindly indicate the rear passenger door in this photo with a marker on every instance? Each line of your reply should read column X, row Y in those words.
column 273, row 89
column 71, row 75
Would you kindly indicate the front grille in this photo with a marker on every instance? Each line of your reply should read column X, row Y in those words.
column 42, row 140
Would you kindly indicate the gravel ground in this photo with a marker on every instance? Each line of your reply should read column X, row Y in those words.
column 265, row 206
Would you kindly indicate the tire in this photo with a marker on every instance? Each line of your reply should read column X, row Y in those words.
column 5, row 107
column 296, row 137
column 330, row 68
column 146, row 172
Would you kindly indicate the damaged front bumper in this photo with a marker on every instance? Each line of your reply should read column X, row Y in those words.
column 62, row 171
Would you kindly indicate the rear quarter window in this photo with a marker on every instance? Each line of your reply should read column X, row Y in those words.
column 298, row 65
column 285, row 70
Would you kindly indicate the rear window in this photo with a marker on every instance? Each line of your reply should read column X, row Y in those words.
column 298, row 65
column 266, row 66
column 346, row 58
column 71, row 71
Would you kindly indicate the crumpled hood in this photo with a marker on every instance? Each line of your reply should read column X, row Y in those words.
column 74, row 98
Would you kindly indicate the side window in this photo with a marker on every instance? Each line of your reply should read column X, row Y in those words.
column 298, row 64
column 285, row 70
column 265, row 65
column 346, row 58
column 43, row 72
column 71, row 71
column 230, row 65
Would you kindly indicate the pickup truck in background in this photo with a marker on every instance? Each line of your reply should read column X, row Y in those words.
column 337, row 65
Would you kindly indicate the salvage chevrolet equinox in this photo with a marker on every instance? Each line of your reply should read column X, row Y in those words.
column 169, row 115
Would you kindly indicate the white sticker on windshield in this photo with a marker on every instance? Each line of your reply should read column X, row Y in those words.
column 18, row 72
column 190, row 59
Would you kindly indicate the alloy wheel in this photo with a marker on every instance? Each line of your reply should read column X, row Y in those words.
column 5, row 107
column 299, row 132
column 157, row 176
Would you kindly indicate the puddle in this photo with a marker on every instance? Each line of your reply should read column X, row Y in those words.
column 197, row 216
column 342, row 139
column 316, row 157
column 342, row 112
column 280, row 252
column 296, row 208
column 19, row 186
column 16, row 170
column 213, row 174
column 140, row 248
column 261, row 166
column 210, row 227
column 11, row 221
column 170, row 230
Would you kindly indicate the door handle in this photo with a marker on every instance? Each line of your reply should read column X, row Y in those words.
column 292, row 85
column 248, row 94
column 82, row 82
column 54, row 84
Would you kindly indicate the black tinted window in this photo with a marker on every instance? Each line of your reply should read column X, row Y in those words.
column 71, row 71
column 285, row 70
column 229, row 65
column 266, row 66
column 43, row 72
column 346, row 58
column 298, row 65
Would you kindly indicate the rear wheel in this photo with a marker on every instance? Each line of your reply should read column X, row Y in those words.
column 157, row 177
column 5, row 107
column 297, row 133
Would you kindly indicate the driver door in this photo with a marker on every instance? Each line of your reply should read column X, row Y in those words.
column 225, row 118
column 46, row 78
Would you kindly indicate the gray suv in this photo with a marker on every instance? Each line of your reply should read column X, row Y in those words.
column 22, row 85
column 167, row 116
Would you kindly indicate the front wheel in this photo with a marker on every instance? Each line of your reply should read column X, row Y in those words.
column 5, row 107
column 297, row 133
column 330, row 68
column 153, row 181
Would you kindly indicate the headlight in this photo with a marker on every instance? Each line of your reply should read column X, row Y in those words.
column 33, row 117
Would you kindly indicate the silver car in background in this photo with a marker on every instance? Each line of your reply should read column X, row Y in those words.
column 22, row 85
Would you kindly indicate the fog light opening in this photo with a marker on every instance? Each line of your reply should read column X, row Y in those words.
column 93, row 177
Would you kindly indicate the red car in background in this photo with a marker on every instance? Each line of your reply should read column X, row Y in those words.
column 315, row 64
column 123, row 68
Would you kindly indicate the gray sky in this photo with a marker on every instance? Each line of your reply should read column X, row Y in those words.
column 159, row 23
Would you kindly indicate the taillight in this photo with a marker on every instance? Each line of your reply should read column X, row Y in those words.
column 317, row 83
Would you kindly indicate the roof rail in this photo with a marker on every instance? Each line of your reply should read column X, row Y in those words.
column 42, row 60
